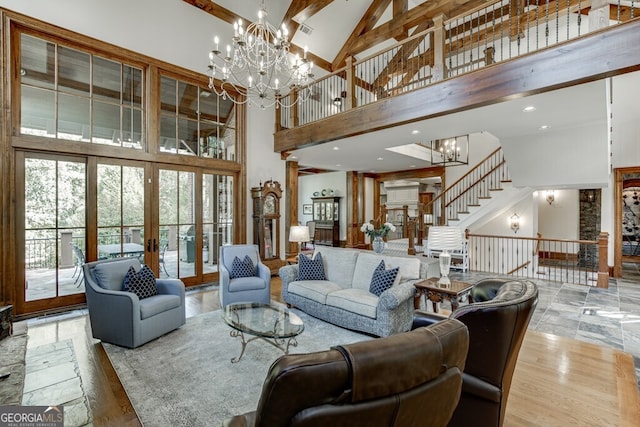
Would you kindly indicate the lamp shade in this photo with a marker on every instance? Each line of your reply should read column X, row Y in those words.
column 299, row 233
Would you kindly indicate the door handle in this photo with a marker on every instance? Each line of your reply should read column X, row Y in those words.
column 148, row 245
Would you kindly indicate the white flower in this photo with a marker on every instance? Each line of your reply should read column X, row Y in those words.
column 390, row 226
column 367, row 227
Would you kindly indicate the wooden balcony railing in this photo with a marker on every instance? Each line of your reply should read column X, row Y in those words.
column 489, row 34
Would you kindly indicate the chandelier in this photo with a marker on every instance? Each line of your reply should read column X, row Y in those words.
column 258, row 65
column 450, row 151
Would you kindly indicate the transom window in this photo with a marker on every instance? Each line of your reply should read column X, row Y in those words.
column 195, row 121
column 67, row 93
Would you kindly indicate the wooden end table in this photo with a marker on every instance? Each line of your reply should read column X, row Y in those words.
column 454, row 293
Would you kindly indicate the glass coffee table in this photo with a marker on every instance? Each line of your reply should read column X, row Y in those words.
column 272, row 323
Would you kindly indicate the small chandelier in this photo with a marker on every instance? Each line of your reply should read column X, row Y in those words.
column 258, row 66
column 450, row 151
column 514, row 222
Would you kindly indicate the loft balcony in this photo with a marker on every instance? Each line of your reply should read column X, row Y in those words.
column 496, row 52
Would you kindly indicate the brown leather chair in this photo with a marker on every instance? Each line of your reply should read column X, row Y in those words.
column 497, row 320
column 408, row 379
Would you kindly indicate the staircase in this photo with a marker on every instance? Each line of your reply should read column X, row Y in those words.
column 480, row 195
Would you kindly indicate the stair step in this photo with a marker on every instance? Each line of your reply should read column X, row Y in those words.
column 470, row 206
column 496, row 189
column 484, row 197
column 463, row 212
column 508, row 180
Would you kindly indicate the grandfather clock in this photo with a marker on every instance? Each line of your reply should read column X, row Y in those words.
column 266, row 222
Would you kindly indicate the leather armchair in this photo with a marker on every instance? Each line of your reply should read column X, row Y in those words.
column 497, row 320
column 120, row 317
column 408, row 379
column 243, row 289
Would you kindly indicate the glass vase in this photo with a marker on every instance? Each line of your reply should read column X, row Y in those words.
column 445, row 265
column 378, row 244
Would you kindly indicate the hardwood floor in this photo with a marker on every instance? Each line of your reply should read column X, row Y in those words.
column 558, row 381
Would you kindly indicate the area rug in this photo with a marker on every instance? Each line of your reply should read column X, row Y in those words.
column 186, row 377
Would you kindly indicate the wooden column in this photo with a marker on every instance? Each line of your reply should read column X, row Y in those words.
column 603, row 263
column 291, row 205
column 351, row 100
column 353, row 207
column 439, row 36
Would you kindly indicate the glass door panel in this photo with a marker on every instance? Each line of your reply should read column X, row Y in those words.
column 217, row 218
column 54, row 227
column 120, row 215
column 177, row 226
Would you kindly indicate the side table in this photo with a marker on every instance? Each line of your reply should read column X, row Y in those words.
column 454, row 293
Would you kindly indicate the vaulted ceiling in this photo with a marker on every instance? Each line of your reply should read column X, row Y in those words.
column 336, row 29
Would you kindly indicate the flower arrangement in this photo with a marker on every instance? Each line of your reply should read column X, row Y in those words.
column 370, row 230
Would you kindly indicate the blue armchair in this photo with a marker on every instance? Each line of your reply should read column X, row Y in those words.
column 121, row 318
column 243, row 289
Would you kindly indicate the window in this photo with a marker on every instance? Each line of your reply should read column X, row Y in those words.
column 70, row 94
column 195, row 121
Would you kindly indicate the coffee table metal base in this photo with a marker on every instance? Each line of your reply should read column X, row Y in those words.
column 280, row 343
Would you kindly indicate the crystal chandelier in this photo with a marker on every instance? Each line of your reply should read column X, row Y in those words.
column 258, row 66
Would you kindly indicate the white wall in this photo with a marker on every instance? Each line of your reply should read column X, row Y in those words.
column 263, row 164
column 559, row 220
column 337, row 181
column 527, row 210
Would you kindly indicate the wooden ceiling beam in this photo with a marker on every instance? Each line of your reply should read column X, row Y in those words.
column 308, row 8
column 366, row 23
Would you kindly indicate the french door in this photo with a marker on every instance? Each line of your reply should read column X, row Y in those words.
column 78, row 209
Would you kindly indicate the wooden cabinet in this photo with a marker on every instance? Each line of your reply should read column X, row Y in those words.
column 326, row 214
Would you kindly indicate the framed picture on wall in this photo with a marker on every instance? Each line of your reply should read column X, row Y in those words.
column 307, row 209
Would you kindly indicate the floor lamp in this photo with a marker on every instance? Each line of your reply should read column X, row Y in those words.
column 299, row 234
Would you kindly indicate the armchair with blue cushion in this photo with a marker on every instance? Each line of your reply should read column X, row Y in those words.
column 121, row 317
column 251, row 288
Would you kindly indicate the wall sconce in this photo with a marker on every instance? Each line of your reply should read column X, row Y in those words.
column 550, row 197
column 514, row 222
column 337, row 102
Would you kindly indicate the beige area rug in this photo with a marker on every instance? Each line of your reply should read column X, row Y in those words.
column 186, row 377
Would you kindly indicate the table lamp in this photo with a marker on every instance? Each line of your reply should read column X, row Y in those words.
column 299, row 234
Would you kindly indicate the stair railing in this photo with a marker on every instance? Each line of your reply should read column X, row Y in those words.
column 488, row 175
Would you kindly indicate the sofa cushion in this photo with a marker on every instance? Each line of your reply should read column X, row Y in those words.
column 409, row 266
column 357, row 301
column 311, row 268
column 141, row 283
column 240, row 284
column 383, row 279
column 316, row 290
column 158, row 304
column 242, row 267
column 110, row 275
column 339, row 264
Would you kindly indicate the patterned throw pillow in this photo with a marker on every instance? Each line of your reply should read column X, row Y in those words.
column 311, row 268
column 382, row 279
column 142, row 283
column 242, row 268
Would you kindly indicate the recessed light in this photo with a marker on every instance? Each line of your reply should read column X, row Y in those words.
column 543, row 127
column 380, row 158
column 294, row 157
column 529, row 109
column 412, row 166
column 338, row 165
column 336, row 148
column 415, row 132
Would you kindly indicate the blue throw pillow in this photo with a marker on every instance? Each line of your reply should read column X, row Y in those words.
column 242, row 268
column 382, row 279
column 311, row 268
column 142, row 283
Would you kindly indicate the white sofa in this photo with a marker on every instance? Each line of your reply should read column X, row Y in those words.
column 344, row 298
